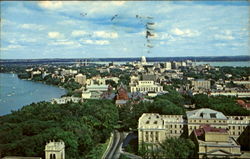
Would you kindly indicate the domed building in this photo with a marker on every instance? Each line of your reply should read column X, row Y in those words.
column 143, row 60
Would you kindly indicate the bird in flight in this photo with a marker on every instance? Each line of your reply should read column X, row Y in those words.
column 83, row 14
column 114, row 17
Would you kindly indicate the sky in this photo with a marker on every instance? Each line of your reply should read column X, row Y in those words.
column 78, row 29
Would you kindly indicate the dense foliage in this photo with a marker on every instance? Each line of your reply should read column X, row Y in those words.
column 82, row 126
column 226, row 105
column 168, row 104
column 170, row 148
column 214, row 74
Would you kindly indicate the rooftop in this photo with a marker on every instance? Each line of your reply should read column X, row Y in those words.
column 205, row 113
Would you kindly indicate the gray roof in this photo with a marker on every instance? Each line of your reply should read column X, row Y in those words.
column 205, row 113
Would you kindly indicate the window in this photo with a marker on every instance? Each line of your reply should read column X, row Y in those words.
column 52, row 156
column 213, row 115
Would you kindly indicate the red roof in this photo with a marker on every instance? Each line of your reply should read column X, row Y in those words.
column 207, row 128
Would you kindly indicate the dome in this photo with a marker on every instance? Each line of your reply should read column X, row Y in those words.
column 143, row 59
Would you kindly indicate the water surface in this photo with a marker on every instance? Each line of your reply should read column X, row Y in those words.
column 15, row 93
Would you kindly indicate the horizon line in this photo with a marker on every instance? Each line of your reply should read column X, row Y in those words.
column 122, row 57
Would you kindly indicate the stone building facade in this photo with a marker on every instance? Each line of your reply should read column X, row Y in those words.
column 146, row 86
column 155, row 128
column 55, row 150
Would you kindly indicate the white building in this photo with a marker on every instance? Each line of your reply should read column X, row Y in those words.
column 86, row 94
column 154, row 128
column 65, row 100
column 143, row 60
column 236, row 93
column 55, row 150
column 146, row 86
column 201, row 84
column 98, row 88
column 168, row 65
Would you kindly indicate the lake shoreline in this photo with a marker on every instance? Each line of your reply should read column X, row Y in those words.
column 16, row 92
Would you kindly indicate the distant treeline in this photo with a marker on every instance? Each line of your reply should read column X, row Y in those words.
column 149, row 59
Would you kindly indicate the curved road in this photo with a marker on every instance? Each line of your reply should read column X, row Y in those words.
column 115, row 148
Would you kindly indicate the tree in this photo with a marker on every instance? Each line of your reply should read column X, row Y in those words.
column 177, row 148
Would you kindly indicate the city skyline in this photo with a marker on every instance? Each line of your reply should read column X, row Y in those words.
column 110, row 29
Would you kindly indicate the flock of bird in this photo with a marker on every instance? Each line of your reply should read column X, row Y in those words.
column 146, row 21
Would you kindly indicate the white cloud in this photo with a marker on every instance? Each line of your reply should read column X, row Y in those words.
column 223, row 37
column 118, row 3
column 96, row 42
column 220, row 44
column 50, row 4
column 32, row 26
column 67, row 22
column 185, row 32
column 55, row 35
column 76, row 33
column 103, row 34
column 64, row 43
column 9, row 47
column 6, row 22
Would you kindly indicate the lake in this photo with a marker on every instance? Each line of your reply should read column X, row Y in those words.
column 15, row 93
column 227, row 63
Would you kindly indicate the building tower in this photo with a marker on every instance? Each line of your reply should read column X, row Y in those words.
column 55, row 150
column 143, row 60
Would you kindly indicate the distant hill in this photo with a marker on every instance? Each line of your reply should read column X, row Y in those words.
column 149, row 59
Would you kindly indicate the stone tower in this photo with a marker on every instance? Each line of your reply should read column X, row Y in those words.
column 55, row 150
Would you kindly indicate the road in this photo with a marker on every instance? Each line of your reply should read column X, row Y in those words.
column 115, row 148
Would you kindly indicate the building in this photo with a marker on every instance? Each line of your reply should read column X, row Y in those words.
column 199, row 117
column 65, row 100
column 168, row 65
column 81, row 79
column 143, row 60
column 215, row 142
column 95, row 91
column 232, row 92
column 154, row 128
column 121, row 97
column 201, row 84
column 55, row 150
column 86, row 94
column 244, row 83
column 95, row 87
column 146, row 86
column 244, row 104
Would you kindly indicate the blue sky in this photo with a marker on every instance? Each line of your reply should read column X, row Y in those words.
column 84, row 29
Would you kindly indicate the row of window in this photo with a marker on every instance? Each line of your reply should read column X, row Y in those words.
column 151, row 136
column 208, row 121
